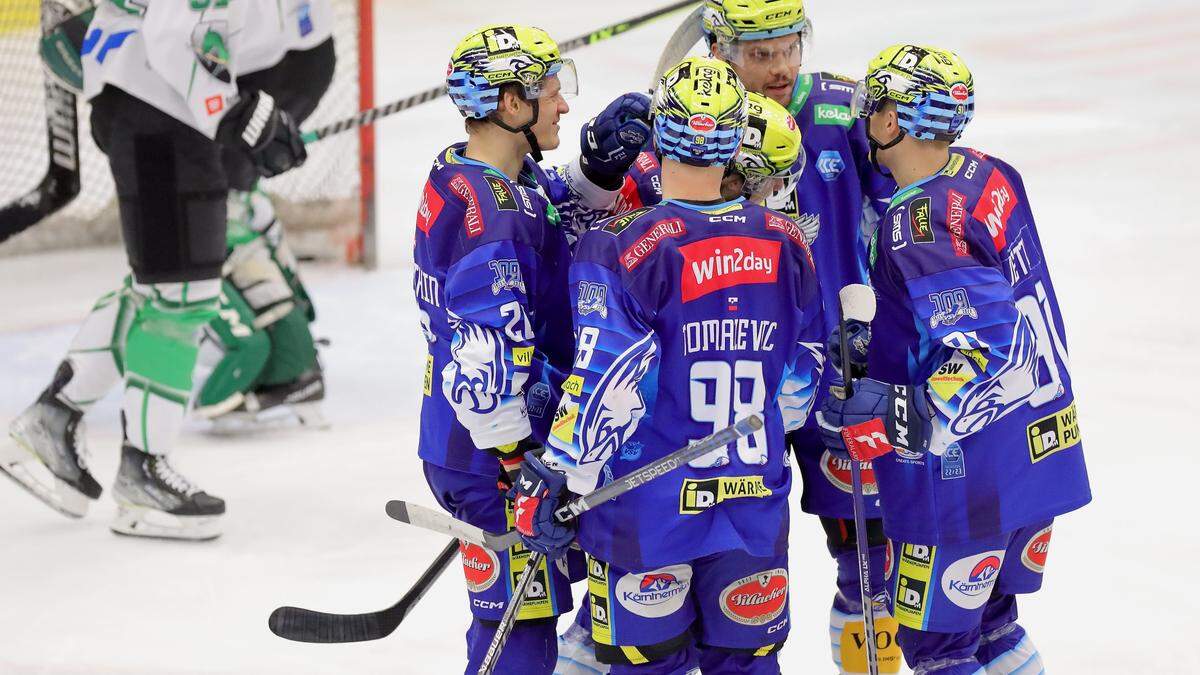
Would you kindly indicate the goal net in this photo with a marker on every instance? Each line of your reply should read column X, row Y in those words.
column 325, row 205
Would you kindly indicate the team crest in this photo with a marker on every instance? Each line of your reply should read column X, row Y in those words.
column 508, row 276
column 593, row 298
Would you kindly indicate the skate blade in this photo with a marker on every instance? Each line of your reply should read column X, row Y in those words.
column 140, row 521
column 26, row 469
column 306, row 415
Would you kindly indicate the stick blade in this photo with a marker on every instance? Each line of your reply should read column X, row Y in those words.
column 305, row 625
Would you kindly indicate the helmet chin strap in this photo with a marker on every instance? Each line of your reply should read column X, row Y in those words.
column 876, row 146
column 535, row 150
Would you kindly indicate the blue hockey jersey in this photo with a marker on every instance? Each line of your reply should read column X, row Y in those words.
column 491, row 286
column 967, row 307
column 839, row 196
column 688, row 317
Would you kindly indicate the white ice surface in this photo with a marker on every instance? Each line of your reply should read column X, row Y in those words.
column 1093, row 101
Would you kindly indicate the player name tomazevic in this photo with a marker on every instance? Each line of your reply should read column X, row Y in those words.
column 729, row 335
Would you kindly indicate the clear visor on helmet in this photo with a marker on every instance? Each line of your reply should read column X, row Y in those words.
column 758, row 54
column 759, row 183
column 863, row 104
column 562, row 81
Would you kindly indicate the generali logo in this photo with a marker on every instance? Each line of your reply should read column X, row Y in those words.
column 637, row 252
column 720, row 262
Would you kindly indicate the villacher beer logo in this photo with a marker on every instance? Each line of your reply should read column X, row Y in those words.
column 480, row 566
column 702, row 123
column 1033, row 556
column 756, row 599
column 837, row 472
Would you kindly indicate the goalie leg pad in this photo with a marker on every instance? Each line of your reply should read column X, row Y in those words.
column 97, row 352
column 231, row 358
column 251, row 269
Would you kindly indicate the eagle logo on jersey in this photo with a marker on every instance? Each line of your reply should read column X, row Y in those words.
column 615, row 408
column 593, row 298
column 478, row 366
column 1012, row 386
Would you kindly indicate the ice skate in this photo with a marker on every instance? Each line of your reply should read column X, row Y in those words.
column 154, row 500
column 274, row 406
column 48, row 456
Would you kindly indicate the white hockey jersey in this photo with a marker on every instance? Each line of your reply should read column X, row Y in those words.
column 184, row 58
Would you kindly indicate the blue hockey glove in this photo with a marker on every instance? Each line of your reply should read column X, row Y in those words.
column 858, row 337
column 610, row 141
column 537, row 494
column 880, row 417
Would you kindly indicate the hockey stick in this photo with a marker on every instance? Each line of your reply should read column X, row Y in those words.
column 858, row 303
column 371, row 116
column 436, row 521
column 306, row 625
column 575, row 507
column 60, row 184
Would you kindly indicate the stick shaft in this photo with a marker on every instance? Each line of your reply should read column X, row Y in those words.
column 374, row 114
column 532, row 563
column 860, row 521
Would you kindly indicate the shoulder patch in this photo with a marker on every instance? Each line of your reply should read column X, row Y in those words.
column 639, row 250
column 646, row 162
column 995, row 206
column 502, row 193
column 617, row 225
column 920, row 221
column 430, row 208
column 473, row 218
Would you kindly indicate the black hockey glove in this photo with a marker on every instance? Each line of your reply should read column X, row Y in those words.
column 266, row 132
column 511, row 456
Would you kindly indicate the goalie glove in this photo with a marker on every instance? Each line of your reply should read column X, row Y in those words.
column 265, row 132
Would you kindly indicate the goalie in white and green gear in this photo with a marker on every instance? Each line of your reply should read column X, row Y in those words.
column 259, row 354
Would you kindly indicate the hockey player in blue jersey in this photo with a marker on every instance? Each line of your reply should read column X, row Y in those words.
column 491, row 286
column 968, row 377
column 837, row 196
column 688, row 316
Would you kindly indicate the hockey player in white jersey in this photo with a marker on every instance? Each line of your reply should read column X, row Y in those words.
column 163, row 83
